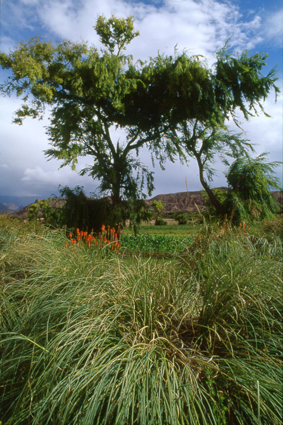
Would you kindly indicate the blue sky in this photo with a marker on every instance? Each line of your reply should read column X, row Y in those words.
column 200, row 27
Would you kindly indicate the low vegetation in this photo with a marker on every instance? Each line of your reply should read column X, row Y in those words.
column 91, row 336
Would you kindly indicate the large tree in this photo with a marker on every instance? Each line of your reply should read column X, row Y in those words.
column 91, row 92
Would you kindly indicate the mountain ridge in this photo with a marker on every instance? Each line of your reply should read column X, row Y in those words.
column 190, row 201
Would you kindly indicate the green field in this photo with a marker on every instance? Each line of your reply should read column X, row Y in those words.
column 92, row 336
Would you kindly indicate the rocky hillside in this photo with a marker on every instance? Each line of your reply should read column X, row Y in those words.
column 181, row 201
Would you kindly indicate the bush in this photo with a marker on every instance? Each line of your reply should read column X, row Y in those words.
column 181, row 218
column 160, row 222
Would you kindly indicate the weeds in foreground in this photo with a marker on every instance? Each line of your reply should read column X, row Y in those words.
column 87, row 339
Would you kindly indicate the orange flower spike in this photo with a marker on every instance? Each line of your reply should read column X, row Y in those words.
column 78, row 238
column 96, row 242
column 104, row 240
column 77, row 230
column 88, row 243
column 102, row 227
column 70, row 235
column 66, row 244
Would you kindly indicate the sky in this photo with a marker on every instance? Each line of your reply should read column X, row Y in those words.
column 201, row 27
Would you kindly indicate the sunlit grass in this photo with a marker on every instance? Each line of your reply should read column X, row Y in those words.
column 88, row 338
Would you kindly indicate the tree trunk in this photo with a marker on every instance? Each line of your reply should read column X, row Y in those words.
column 211, row 196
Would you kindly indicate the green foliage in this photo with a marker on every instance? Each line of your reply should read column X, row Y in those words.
column 87, row 214
column 241, row 83
column 158, row 206
column 51, row 216
column 155, row 244
column 88, row 339
column 181, row 218
column 160, row 222
column 90, row 214
column 249, row 196
column 33, row 212
column 115, row 32
column 251, row 181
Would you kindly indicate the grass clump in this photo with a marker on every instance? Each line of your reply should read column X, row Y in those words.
column 91, row 339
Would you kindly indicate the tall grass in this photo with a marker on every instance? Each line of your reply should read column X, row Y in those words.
column 87, row 339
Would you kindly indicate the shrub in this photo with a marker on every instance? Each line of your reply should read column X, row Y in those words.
column 160, row 222
column 181, row 218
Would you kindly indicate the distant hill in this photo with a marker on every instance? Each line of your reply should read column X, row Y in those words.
column 21, row 201
column 175, row 202
column 3, row 208
column 11, row 206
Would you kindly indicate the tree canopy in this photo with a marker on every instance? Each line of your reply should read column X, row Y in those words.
column 166, row 104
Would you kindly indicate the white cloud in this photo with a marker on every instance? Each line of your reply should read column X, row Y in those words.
column 30, row 2
column 273, row 27
column 201, row 27
column 38, row 175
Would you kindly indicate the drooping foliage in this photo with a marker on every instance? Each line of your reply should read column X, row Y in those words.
column 251, row 181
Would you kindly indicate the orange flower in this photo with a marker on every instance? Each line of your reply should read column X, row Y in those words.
column 70, row 235
column 96, row 242
column 88, row 243
column 66, row 244
column 78, row 238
